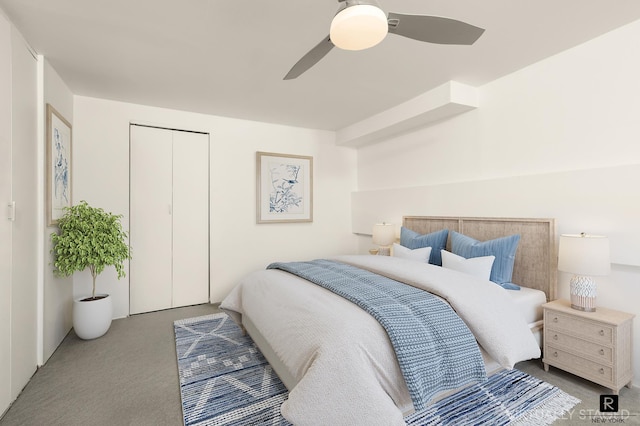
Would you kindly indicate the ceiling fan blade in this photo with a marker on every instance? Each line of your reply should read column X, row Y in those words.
column 433, row 29
column 310, row 59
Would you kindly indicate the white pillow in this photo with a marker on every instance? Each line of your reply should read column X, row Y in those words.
column 479, row 267
column 419, row 254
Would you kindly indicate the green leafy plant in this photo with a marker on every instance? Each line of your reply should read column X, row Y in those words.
column 90, row 238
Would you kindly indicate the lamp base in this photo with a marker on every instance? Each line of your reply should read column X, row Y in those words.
column 384, row 251
column 583, row 293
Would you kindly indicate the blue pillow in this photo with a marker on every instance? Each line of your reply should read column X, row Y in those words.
column 504, row 249
column 436, row 240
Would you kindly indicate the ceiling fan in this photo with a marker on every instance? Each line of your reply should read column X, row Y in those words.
column 360, row 24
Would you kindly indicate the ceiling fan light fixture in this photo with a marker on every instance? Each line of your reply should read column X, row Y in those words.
column 358, row 27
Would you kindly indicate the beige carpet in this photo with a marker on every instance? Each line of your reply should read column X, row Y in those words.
column 129, row 377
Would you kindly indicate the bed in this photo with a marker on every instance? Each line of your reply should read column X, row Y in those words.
column 337, row 360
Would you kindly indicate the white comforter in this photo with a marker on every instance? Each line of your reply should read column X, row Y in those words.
column 341, row 357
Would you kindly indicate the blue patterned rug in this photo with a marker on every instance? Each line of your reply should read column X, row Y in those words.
column 225, row 380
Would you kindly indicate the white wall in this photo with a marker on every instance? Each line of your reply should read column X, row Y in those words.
column 57, row 292
column 556, row 139
column 100, row 156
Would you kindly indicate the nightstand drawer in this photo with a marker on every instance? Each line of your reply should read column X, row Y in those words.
column 577, row 365
column 592, row 350
column 601, row 333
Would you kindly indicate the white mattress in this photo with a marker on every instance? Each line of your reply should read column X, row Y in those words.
column 529, row 303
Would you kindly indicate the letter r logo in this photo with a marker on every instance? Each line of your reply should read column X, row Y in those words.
column 608, row 403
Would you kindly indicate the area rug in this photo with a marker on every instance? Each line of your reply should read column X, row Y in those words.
column 225, row 380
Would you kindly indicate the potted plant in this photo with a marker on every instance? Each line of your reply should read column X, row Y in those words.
column 90, row 238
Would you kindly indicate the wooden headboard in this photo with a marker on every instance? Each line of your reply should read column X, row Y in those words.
column 536, row 260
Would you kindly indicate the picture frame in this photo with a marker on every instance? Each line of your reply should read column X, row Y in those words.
column 284, row 188
column 58, row 152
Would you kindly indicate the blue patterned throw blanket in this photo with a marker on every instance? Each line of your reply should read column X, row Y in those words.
column 434, row 347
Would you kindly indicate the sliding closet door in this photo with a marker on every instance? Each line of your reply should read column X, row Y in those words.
column 150, row 219
column 190, row 218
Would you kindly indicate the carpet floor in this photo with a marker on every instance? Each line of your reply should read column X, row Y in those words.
column 130, row 377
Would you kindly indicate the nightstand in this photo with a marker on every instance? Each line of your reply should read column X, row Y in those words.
column 593, row 345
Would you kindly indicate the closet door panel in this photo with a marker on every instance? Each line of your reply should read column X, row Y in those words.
column 24, row 235
column 5, row 225
column 151, row 219
column 190, row 218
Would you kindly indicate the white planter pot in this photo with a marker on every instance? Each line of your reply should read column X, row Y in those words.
column 92, row 318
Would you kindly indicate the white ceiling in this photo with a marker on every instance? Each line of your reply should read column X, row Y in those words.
column 228, row 58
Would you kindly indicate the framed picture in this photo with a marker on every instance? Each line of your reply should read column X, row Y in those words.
column 284, row 188
column 58, row 165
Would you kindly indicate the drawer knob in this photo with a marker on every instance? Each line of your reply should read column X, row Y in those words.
column 555, row 319
column 555, row 337
column 602, row 332
column 555, row 354
column 601, row 371
column 601, row 351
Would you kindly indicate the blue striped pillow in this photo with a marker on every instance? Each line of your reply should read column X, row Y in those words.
column 504, row 249
column 436, row 240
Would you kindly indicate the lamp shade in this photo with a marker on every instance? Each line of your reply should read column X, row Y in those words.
column 384, row 234
column 583, row 254
column 358, row 27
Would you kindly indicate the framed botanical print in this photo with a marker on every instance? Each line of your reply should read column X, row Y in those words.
column 58, row 165
column 284, row 188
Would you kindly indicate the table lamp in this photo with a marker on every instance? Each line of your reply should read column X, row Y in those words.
column 584, row 256
column 384, row 235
